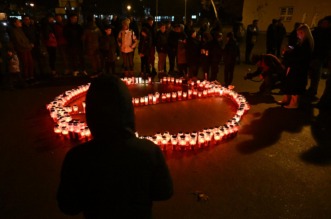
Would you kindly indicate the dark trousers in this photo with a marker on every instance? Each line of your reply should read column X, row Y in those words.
column 27, row 65
column 228, row 73
column 315, row 75
column 193, row 69
column 128, row 61
column 144, row 66
column 172, row 59
column 249, row 48
column 51, row 57
column 162, row 61
column 76, row 58
column 214, row 71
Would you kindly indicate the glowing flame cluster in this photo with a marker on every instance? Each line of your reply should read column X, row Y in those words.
column 61, row 112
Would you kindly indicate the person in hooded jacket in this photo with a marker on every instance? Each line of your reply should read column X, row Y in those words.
column 116, row 174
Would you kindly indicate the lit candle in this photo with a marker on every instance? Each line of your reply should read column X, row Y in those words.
column 174, row 96
column 199, row 94
column 201, row 140
column 182, row 142
column 174, row 142
column 57, row 129
column 75, row 108
column 184, row 95
column 193, row 141
column 168, row 95
column 164, row 142
column 142, row 100
column 136, row 101
column 164, row 98
column 84, row 106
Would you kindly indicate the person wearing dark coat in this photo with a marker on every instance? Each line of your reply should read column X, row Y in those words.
column 325, row 100
column 271, row 37
column 116, row 174
column 280, row 35
column 144, row 48
column 205, row 54
column 216, row 53
column 293, row 38
column 150, row 25
column 192, row 54
column 230, row 55
column 174, row 36
column 296, row 62
column 162, row 49
column 322, row 47
column 107, row 45
column 73, row 33
column 251, row 38
column 23, row 47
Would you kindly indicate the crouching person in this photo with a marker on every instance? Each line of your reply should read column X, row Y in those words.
column 270, row 70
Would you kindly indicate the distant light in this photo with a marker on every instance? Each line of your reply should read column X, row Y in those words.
column 128, row 7
column 72, row 8
column 31, row 4
column 194, row 17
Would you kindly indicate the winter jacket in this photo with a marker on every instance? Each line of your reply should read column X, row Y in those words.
column 115, row 175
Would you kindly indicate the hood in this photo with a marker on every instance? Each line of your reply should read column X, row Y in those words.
column 109, row 109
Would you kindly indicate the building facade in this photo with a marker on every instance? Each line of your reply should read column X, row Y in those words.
column 290, row 11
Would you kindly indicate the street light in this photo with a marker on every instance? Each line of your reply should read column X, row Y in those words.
column 128, row 7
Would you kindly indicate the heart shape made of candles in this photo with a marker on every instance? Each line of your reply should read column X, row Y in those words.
column 63, row 108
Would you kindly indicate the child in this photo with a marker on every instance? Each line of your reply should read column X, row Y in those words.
column 13, row 68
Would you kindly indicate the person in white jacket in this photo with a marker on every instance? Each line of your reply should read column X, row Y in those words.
column 127, row 42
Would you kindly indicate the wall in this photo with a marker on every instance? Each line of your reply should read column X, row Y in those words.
column 304, row 11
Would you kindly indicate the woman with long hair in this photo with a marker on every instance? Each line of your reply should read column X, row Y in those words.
column 296, row 61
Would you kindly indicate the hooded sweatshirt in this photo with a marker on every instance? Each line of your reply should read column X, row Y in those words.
column 115, row 175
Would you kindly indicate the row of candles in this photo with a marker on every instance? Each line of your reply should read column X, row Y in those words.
column 61, row 112
column 140, row 80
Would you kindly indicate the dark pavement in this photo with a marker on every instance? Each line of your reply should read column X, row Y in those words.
column 278, row 166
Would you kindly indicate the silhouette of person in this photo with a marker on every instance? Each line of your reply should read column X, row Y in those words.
column 270, row 70
column 116, row 174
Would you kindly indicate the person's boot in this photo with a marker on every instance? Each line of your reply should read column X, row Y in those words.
column 294, row 102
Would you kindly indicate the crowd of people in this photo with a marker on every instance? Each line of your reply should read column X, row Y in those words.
column 55, row 47
column 92, row 49
column 289, row 69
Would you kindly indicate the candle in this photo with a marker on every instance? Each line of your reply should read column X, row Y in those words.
column 184, row 95
column 174, row 142
column 168, row 95
column 57, row 129
column 75, row 108
column 174, row 96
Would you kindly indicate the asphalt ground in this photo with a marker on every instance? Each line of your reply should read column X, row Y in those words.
column 278, row 166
